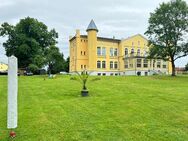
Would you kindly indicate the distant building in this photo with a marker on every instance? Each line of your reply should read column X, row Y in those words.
column 180, row 70
column 3, row 67
column 110, row 56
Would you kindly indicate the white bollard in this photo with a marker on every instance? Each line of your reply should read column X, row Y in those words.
column 12, row 92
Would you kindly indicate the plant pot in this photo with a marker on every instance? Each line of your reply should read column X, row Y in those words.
column 84, row 93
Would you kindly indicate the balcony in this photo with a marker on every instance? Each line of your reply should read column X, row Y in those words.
column 134, row 55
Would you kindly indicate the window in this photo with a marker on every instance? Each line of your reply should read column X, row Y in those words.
column 115, row 65
column 130, row 65
column 84, row 53
column 81, row 52
column 158, row 63
column 103, row 51
column 98, row 51
column 103, row 64
column 81, row 66
column 126, row 63
column 84, row 66
column 138, row 52
column 126, row 52
column 153, row 63
column 145, row 63
column 139, row 61
column 98, row 64
column 111, row 64
column 132, row 51
column 104, row 74
column 111, row 74
column 164, row 65
column 99, row 74
column 138, row 43
column 115, row 52
column 111, row 51
column 132, row 43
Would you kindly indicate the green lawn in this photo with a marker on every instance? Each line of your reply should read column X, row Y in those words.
column 118, row 109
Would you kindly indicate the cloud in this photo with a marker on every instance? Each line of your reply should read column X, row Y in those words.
column 119, row 18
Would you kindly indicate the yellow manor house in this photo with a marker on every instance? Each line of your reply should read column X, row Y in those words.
column 109, row 56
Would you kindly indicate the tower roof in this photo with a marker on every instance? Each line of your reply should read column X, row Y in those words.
column 92, row 26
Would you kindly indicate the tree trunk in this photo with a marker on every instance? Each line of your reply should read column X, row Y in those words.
column 173, row 68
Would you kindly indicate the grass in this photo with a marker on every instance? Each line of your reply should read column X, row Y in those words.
column 118, row 109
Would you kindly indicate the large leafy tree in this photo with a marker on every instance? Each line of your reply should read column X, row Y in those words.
column 54, row 60
column 186, row 67
column 66, row 65
column 167, row 31
column 28, row 40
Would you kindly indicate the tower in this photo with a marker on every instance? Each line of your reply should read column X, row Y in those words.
column 92, row 45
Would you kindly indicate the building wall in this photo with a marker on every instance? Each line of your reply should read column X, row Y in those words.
column 3, row 67
column 91, row 45
column 83, row 55
column 107, row 58
column 134, row 43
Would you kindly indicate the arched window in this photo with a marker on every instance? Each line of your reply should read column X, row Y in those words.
column 115, row 65
column 103, row 64
column 132, row 51
column 98, row 64
column 126, row 52
column 138, row 52
column 111, row 64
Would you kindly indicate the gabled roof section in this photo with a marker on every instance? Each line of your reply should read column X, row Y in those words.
column 92, row 26
column 135, row 36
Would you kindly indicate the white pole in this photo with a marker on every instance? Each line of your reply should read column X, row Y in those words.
column 12, row 92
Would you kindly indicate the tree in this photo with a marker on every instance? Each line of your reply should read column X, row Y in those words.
column 28, row 40
column 33, row 68
column 66, row 65
column 186, row 67
column 54, row 60
column 167, row 28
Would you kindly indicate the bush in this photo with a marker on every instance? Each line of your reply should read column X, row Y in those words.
column 33, row 68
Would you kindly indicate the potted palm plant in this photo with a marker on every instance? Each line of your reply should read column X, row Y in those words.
column 83, row 79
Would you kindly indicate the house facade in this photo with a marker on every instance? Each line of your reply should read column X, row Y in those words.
column 110, row 56
column 3, row 67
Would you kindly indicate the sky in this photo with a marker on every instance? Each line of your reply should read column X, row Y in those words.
column 119, row 18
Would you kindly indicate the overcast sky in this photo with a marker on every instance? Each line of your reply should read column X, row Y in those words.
column 119, row 18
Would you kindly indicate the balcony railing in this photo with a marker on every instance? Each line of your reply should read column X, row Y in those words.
column 134, row 55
